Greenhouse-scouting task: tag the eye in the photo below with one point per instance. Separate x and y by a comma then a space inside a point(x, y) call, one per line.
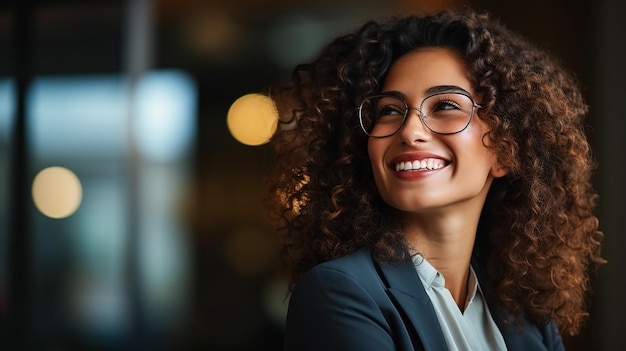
point(389, 110)
point(444, 105)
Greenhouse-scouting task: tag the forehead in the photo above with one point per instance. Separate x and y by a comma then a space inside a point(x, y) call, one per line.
point(424, 68)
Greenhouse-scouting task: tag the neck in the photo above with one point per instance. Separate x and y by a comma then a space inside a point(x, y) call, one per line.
point(447, 243)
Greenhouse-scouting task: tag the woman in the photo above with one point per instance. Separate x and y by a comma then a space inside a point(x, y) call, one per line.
point(433, 182)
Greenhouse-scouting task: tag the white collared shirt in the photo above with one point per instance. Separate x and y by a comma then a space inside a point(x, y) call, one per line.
point(473, 329)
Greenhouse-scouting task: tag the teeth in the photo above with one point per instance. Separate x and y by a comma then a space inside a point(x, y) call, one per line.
point(420, 165)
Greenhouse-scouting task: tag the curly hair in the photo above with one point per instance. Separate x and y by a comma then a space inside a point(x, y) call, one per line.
point(537, 232)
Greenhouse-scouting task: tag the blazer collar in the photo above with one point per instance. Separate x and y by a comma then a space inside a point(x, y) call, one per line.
point(518, 333)
point(409, 296)
point(406, 289)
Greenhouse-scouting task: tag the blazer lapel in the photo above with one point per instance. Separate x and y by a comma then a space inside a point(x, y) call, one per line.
point(516, 337)
point(405, 287)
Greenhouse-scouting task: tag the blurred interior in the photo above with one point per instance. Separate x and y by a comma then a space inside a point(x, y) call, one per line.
point(170, 247)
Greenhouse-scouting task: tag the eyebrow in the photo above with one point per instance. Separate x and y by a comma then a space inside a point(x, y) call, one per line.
point(445, 89)
point(437, 89)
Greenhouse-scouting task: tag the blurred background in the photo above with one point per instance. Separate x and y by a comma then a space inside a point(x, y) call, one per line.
point(161, 241)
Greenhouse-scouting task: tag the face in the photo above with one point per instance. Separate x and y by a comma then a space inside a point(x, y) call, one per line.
point(459, 168)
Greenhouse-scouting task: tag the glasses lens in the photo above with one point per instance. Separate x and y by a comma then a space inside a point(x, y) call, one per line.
point(381, 115)
point(447, 113)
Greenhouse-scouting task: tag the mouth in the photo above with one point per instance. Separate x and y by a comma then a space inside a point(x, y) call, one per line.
point(426, 164)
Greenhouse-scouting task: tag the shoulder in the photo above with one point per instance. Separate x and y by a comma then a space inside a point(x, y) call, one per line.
point(530, 336)
point(518, 331)
point(358, 268)
point(356, 276)
point(354, 263)
point(339, 305)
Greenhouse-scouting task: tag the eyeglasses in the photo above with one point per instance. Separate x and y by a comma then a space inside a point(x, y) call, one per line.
point(383, 115)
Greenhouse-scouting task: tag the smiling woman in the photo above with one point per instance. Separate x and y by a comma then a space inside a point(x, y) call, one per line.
point(448, 202)
point(457, 189)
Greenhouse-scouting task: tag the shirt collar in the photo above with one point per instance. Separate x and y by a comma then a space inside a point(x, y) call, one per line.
point(428, 274)
point(431, 278)
point(473, 288)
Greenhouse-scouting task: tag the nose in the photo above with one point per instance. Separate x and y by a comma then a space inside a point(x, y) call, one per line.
point(414, 129)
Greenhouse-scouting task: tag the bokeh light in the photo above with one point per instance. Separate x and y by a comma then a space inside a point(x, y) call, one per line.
point(252, 119)
point(57, 192)
point(165, 115)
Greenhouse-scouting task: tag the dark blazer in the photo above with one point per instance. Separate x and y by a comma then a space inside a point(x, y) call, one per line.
point(355, 303)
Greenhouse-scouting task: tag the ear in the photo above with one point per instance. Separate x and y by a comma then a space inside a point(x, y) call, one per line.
point(498, 171)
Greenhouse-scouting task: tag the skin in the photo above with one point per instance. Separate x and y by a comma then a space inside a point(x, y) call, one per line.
point(440, 207)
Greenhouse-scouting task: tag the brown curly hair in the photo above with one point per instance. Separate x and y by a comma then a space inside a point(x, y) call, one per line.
point(537, 234)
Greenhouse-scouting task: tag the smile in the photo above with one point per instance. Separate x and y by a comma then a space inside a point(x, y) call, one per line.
point(427, 164)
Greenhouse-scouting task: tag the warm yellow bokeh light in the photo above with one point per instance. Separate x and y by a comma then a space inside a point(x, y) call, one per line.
point(57, 192)
point(252, 119)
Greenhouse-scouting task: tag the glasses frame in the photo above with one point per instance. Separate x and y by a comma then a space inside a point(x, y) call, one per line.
point(408, 108)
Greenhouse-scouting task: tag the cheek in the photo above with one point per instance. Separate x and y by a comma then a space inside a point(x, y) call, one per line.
point(376, 152)
point(373, 151)
point(474, 135)
point(471, 147)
